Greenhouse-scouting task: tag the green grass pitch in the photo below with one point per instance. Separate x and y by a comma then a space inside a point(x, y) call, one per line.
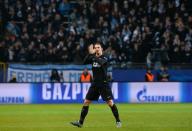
point(135, 117)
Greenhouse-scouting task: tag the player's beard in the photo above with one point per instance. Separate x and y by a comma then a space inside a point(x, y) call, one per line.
point(98, 54)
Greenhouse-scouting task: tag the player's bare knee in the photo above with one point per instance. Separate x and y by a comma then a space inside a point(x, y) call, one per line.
point(110, 103)
point(87, 102)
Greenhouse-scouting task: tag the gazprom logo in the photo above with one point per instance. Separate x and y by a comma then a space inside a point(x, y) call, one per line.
point(143, 96)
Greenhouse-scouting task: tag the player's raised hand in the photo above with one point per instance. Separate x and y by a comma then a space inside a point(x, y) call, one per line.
point(91, 49)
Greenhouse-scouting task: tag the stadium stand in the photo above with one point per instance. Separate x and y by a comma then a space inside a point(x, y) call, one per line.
point(132, 30)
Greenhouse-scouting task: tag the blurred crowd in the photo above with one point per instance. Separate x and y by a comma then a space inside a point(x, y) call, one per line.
point(130, 30)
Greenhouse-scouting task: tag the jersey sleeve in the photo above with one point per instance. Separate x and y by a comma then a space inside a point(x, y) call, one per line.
point(101, 60)
point(91, 57)
point(88, 59)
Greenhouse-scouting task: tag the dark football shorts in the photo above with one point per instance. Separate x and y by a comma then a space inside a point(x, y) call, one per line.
point(97, 90)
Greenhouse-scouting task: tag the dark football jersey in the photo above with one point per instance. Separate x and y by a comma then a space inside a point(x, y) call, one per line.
point(99, 67)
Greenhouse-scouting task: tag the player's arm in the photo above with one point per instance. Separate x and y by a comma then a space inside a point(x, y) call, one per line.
point(101, 60)
point(89, 58)
point(92, 57)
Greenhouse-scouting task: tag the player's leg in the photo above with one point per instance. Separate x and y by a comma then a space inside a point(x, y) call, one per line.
point(107, 96)
point(92, 94)
point(114, 111)
point(84, 112)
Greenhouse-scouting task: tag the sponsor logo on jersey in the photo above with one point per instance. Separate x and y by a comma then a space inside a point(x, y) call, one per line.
point(95, 64)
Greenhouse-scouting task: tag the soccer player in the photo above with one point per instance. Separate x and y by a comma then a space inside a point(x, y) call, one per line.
point(99, 85)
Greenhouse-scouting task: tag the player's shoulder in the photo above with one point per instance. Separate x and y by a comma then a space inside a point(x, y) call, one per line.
point(104, 57)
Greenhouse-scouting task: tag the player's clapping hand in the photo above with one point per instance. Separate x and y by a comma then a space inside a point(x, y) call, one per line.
point(91, 49)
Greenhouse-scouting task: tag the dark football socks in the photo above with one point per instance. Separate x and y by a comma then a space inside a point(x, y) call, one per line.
point(84, 112)
point(115, 112)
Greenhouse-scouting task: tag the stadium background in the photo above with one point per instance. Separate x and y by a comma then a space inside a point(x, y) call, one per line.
point(37, 36)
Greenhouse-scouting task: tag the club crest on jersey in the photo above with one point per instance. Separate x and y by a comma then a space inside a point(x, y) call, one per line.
point(95, 64)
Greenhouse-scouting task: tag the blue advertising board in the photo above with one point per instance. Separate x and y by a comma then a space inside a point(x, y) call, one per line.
point(123, 92)
point(66, 92)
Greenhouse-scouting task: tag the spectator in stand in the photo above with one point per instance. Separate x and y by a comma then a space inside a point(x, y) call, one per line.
point(64, 7)
point(130, 28)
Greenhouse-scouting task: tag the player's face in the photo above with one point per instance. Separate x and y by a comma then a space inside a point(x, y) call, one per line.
point(98, 49)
